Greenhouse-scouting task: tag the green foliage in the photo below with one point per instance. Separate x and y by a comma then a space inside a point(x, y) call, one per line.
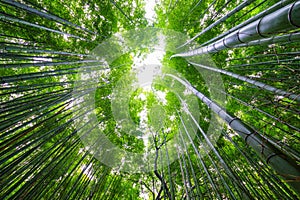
point(42, 156)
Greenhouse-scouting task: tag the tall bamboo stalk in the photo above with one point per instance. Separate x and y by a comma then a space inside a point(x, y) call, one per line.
point(287, 18)
point(219, 21)
point(286, 167)
point(269, 10)
point(17, 20)
point(44, 14)
point(251, 81)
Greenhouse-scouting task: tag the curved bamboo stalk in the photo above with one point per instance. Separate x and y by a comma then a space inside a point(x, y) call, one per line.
point(36, 75)
point(262, 111)
point(67, 97)
point(292, 37)
point(35, 50)
point(206, 171)
point(204, 12)
point(219, 21)
point(271, 9)
point(264, 172)
point(287, 18)
point(10, 144)
point(13, 121)
point(185, 164)
point(12, 19)
point(253, 82)
point(44, 14)
point(62, 141)
point(237, 182)
point(15, 57)
point(36, 192)
point(288, 151)
point(21, 65)
point(194, 7)
point(182, 172)
point(286, 54)
point(199, 157)
point(9, 111)
point(190, 164)
point(286, 167)
point(212, 161)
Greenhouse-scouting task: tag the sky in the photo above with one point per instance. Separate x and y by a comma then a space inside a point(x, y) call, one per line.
point(150, 13)
point(150, 66)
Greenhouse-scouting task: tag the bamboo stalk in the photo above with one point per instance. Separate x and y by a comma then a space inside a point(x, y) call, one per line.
point(219, 21)
point(20, 21)
point(271, 9)
point(45, 15)
point(285, 166)
point(251, 81)
point(287, 18)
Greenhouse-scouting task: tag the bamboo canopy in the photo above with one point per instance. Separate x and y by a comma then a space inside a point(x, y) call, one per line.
point(125, 99)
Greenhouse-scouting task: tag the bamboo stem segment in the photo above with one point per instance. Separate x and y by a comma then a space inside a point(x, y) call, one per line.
point(287, 18)
point(286, 167)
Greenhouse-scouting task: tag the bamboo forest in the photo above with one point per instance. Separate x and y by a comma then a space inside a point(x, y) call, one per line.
point(150, 99)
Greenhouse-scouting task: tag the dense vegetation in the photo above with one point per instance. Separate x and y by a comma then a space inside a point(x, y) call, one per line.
point(219, 120)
